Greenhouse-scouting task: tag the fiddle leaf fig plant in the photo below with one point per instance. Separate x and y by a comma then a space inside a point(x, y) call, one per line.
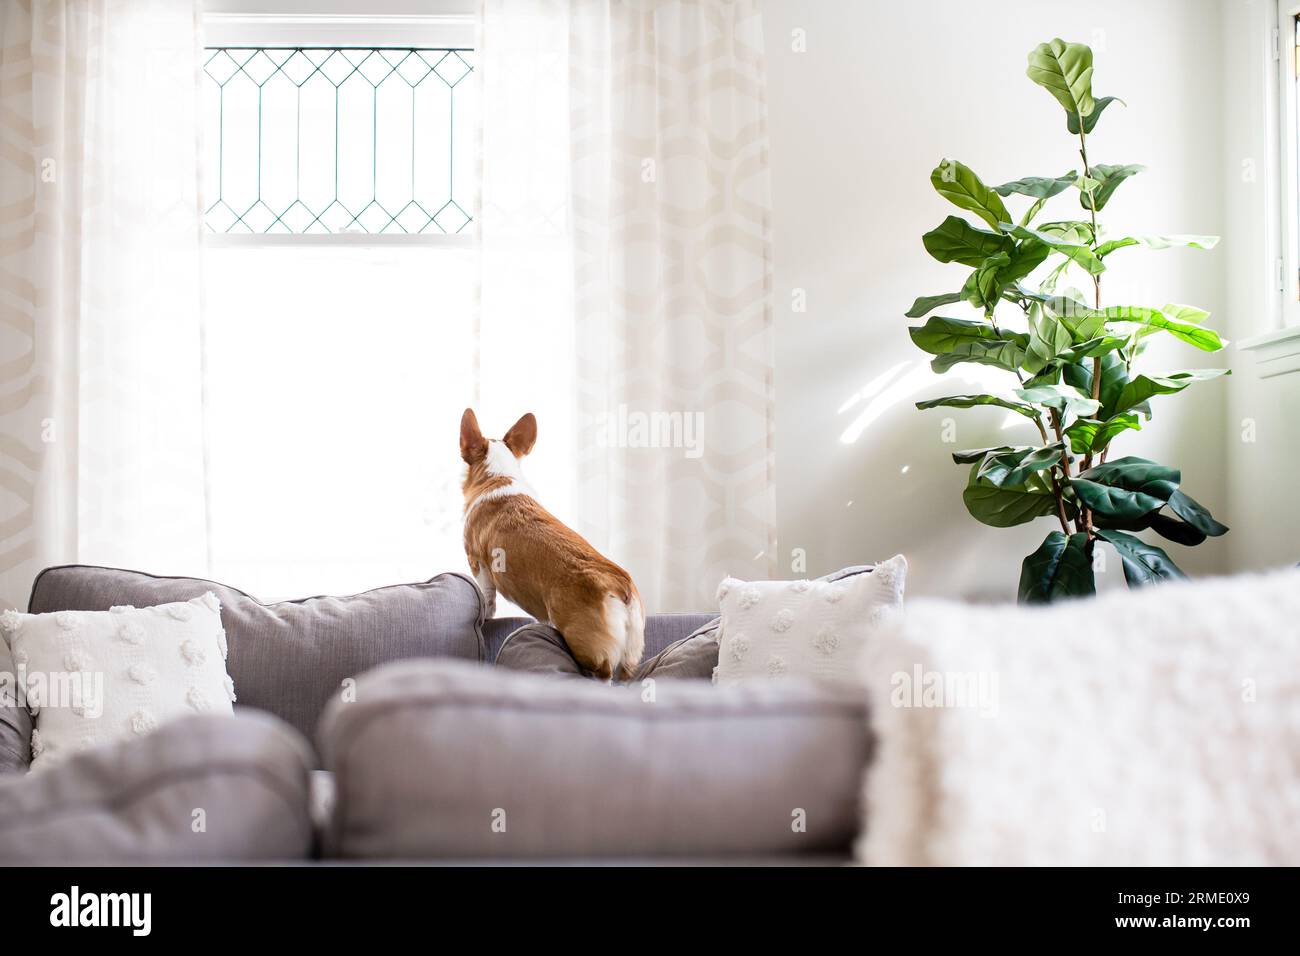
point(1071, 360)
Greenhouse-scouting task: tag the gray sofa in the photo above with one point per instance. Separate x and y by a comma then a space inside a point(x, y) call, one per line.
point(424, 752)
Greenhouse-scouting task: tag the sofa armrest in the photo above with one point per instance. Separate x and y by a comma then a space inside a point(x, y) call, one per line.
point(203, 788)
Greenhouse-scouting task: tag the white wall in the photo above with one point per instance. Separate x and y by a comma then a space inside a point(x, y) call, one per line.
point(884, 91)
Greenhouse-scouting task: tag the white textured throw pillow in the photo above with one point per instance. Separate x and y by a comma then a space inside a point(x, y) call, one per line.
point(1158, 727)
point(773, 629)
point(92, 677)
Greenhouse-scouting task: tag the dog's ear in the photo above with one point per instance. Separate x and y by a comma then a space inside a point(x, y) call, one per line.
point(522, 435)
point(473, 446)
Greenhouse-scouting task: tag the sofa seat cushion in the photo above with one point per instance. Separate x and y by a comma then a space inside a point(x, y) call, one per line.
point(290, 657)
point(199, 789)
point(439, 759)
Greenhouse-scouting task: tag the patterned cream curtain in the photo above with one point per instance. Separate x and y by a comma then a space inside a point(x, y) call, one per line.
point(101, 429)
point(644, 125)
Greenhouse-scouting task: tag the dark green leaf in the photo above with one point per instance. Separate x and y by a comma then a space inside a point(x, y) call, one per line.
point(979, 454)
point(1195, 514)
point(1114, 376)
point(956, 183)
point(956, 240)
point(1060, 568)
point(1013, 468)
point(1110, 177)
point(1006, 507)
point(1143, 563)
point(1136, 474)
point(1180, 532)
point(1115, 503)
point(1090, 121)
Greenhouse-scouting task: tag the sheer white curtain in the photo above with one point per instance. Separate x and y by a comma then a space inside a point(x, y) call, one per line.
point(625, 231)
point(101, 425)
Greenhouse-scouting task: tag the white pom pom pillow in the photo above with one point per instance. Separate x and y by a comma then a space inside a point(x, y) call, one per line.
point(92, 677)
point(817, 629)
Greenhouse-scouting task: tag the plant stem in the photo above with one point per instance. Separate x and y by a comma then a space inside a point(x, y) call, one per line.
point(1085, 514)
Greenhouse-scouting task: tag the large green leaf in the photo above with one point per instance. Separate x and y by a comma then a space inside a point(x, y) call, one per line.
point(1005, 507)
point(1060, 568)
point(1089, 436)
point(1092, 348)
point(1048, 338)
point(928, 303)
point(1012, 468)
point(970, 455)
point(1038, 187)
point(956, 240)
point(1143, 563)
point(1126, 489)
point(1090, 121)
point(970, 401)
point(956, 183)
point(1117, 503)
point(1065, 71)
point(1109, 178)
point(1027, 257)
point(1137, 474)
point(1005, 353)
point(1180, 321)
point(1064, 398)
point(1195, 514)
point(1180, 532)
point(983, 288)
point(941, 334)
point(1145, 386)
point(1076, 252)
point(1158, 242)
point(1114, 376)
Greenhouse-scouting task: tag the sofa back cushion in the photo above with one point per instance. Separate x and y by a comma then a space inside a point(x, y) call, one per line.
point(291, 657)
point(661, 630)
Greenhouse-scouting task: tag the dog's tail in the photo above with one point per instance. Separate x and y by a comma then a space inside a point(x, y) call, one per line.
point(625, 620)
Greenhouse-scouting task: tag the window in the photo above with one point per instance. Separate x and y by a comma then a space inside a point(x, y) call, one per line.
point(329, 140)
point(340, 284)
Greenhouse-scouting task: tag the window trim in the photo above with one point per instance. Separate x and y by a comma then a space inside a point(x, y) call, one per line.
point(1277, 350)
point(271, 23)
point(1289, 162)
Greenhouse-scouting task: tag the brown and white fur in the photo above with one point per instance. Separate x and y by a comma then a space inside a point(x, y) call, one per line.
point(518, 548)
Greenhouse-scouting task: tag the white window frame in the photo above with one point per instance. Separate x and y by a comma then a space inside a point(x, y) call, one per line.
point(330, 23)
point(1277, 351)
point(1284, 40)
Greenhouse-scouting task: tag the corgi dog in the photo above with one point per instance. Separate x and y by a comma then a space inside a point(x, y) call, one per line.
point(518, 548)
